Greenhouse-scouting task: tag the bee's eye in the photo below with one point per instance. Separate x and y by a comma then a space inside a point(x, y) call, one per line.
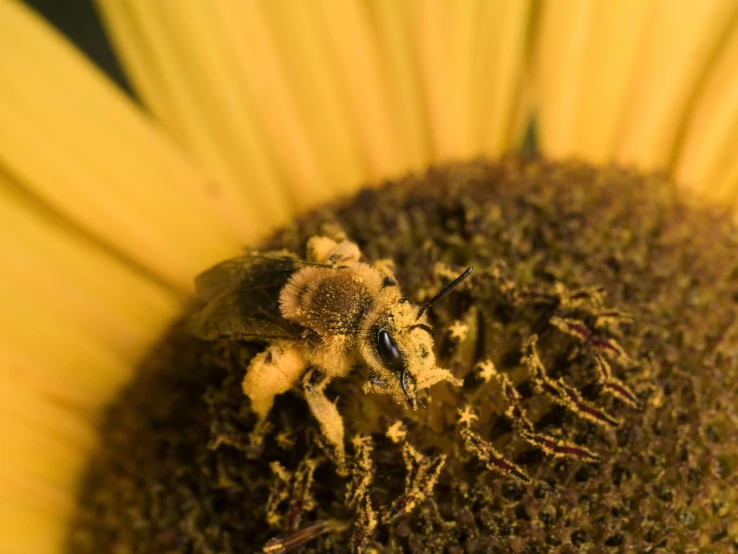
point(389, 351)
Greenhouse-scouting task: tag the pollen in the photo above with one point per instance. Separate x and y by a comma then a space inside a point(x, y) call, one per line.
point(458, 331)
point(467, 416)
point(486, 370)
point(397, 432)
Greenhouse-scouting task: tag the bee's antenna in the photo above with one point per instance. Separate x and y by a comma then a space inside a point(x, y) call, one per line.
point(444, 291)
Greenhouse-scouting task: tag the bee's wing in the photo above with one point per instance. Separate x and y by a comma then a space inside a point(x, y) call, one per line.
point(241, 298)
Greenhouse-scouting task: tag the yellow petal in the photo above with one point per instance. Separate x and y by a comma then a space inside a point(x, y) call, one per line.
point(72, 280)
point(75, 319)
point(39, 456)
point(470, 57)
point(353, 42)
point(19, 489)
point(346, 92)
point(707, 161)
point(51, 429)
point(587, 54)
point(260, 73)
point(45, 417)
point(444, 41)
point(220, 123)
point(681, 40)
point(499, 69)
point(396, 42)
point(87, 372)
point(312, 74)
point(28, 531)
point(254, 92)
point(23, 370)
point(72, 139)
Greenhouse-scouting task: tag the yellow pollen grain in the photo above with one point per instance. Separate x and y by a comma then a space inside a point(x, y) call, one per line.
point(486, 370)
point(458, 331)
point(396, 432)
point(466, 416)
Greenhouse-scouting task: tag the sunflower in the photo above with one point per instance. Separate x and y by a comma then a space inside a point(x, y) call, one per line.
point(250, 114)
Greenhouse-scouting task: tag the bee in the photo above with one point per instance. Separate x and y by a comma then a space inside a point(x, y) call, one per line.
point(322, 317)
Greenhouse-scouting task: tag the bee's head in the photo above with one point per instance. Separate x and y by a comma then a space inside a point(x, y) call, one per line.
point(399, 350)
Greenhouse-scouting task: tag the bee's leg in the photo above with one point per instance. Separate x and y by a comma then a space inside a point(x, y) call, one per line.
point(270, 373)
point(325, 411)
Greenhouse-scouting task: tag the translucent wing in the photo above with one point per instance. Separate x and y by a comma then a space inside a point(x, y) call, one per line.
point(241, 298)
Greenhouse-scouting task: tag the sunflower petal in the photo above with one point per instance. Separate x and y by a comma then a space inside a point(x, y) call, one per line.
point(74, 281)
point(312, 75)
point(39, 456)
point(500, 55)
point(353, 44)
point(75, 319)
point(218, 121)
point(683, 37)
point(470, 56)
point(44, 449)
point(37, 435)
point(30, 531)
point(60, 362)
point(259, 73)
point(219, 67)
point(587, 54)
point(74, 141)
point(444, 42)
point(396, 43)
point(707, 160)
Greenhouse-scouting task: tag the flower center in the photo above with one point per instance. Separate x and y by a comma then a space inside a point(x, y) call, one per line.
point(596, 344)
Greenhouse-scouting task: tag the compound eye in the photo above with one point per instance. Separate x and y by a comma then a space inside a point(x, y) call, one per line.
point(389, 351)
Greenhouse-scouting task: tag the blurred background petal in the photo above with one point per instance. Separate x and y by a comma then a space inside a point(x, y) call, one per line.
point(78, 144)
point(335, 94)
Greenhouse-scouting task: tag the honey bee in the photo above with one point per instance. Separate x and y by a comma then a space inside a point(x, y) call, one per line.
point(321, 317)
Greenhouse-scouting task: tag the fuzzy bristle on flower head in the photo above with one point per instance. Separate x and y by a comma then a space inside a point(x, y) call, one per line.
point(597, 406)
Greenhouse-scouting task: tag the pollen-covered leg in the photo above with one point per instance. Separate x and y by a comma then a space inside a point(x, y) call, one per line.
point(325, 411)
point(270, 373)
